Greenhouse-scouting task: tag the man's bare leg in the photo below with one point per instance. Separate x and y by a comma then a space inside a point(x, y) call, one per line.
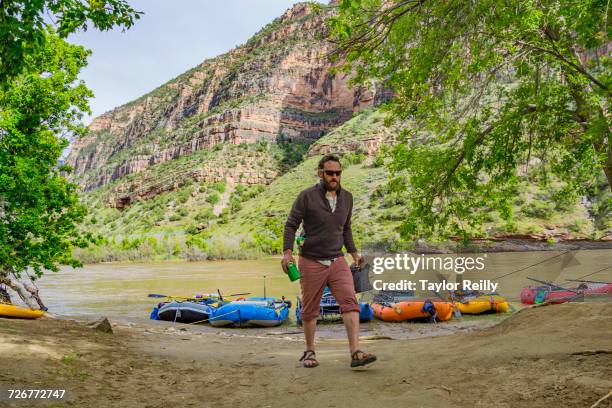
point(351, 323)
point(310, 327)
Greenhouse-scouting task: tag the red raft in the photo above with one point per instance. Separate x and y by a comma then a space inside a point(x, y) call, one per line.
point(546, 293)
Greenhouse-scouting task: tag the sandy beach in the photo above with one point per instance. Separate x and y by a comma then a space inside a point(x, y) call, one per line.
point(539, 357)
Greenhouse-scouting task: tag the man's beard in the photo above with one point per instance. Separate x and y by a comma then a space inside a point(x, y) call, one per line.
point(328, 187)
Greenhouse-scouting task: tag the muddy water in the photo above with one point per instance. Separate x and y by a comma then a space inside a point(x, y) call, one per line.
point(121, 289)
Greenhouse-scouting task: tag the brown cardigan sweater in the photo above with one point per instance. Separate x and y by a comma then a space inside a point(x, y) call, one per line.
point(325, 232)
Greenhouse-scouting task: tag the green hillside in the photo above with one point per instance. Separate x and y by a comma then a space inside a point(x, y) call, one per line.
point(182, 224)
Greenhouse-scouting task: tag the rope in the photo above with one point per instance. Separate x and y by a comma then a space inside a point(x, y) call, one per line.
point(593, 273)
point(530, 266)
point(221, 315)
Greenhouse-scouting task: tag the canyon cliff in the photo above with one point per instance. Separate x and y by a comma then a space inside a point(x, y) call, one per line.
point(275, 88)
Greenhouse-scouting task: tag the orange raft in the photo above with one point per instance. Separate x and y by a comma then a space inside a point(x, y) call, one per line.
point(483, 304)
point(402, 311)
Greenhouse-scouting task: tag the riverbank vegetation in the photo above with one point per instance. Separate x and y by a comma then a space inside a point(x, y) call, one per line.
point(180, 224)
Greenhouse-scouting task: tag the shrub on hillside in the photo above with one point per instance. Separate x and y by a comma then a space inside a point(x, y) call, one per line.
point(539, 209)
point(213, 198)
point(182, 197)
point(204, 215)
point(191, 229)
point(234, 204)
point(379, 160)
point(223, 217)
point(220, 187)
point(353, 158)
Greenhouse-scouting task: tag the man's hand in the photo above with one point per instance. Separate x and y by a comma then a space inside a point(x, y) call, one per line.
point(287, 259)
point(356, 259)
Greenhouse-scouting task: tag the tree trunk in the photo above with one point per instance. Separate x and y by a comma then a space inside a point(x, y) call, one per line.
point(608, 164)
point(584, 113)
point(26, 291)
point(4, 296)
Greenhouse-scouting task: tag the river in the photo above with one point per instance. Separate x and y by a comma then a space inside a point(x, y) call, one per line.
point(121, 289)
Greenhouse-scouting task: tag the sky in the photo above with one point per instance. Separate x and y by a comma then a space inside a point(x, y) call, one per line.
point(170, 38)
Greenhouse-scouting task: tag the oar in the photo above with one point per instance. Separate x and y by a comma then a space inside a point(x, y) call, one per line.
point(221, 297)
point(587, 281)
point(552, 285)
point(157, 295)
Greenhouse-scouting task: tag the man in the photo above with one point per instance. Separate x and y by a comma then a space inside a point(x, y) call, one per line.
point(325, 211)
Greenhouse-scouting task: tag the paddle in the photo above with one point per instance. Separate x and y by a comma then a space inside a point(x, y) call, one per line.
point(587, 281)
point(157, 295)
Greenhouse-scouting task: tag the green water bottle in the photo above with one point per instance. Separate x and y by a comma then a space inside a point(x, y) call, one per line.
point(300, 241)
point(294, 272)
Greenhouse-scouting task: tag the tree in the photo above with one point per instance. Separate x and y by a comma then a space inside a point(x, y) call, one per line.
point(493, 91)
point(23, 25)
point(41, 104)
point(39, 209)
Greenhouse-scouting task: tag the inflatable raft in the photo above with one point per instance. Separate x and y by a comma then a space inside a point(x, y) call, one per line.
point(183, 312)
point(330, 309)
point(483, 304)
point(264, 312)
point(7, 310)
point(413, 310)
point(545, 293)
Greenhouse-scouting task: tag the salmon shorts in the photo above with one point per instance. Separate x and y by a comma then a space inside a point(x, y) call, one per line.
point(315, 276)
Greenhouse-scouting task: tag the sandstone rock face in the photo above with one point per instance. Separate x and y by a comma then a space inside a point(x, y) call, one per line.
point(277, 87)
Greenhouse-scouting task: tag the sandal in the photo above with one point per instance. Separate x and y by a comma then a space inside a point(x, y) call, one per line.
point(366, 358)
point(309, 355)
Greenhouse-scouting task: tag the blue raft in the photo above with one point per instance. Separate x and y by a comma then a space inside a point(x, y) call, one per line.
point(183, 312)
point(330, 309)
point(258, 311)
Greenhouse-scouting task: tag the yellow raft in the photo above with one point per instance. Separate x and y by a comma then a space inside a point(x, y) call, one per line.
point(7, 310)
point(483, 304)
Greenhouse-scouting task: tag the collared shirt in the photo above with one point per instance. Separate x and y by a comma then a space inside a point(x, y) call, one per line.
point(332, 199)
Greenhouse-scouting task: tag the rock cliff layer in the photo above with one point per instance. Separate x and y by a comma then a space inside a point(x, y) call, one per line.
point(276, 87)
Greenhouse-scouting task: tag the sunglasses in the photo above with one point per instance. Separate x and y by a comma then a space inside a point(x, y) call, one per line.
point(333, 173)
